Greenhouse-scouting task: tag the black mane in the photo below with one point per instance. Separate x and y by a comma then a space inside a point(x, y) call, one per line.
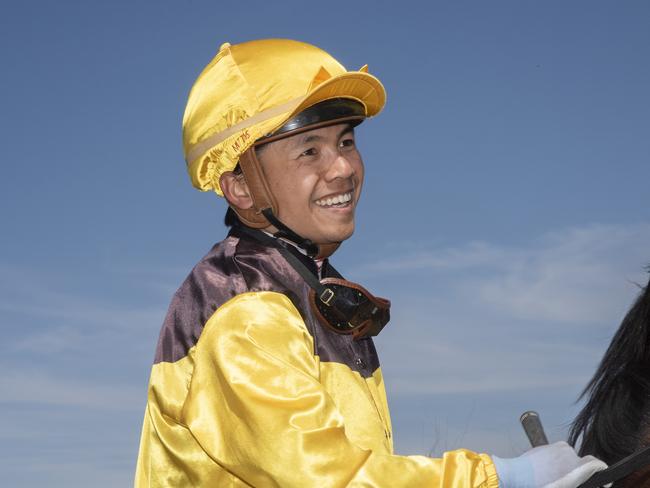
point(615, 420)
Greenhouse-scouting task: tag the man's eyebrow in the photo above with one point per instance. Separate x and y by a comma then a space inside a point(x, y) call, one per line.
point(307, 138)
point(349, 129)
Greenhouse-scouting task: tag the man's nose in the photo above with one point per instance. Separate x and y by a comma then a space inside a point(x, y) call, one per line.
point(340, 167)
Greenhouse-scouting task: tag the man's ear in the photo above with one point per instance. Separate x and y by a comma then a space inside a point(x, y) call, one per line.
point(235, 189)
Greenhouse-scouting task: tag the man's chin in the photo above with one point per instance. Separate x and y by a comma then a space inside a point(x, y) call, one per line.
point(336, 237)
point(330, 233)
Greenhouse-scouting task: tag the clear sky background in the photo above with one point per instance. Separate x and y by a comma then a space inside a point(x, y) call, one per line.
point(505, 211)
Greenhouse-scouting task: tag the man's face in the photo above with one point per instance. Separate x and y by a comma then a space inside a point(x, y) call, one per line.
point(316, 179)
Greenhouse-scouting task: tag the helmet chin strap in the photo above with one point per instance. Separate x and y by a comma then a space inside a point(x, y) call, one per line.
point(285, 232)
point(265, 208)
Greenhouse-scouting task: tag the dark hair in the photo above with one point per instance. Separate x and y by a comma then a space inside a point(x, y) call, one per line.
point(231, 219)
point(614, 421)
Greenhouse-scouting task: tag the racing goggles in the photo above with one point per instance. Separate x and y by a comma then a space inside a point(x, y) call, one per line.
point(340, 305)
point(348, 308)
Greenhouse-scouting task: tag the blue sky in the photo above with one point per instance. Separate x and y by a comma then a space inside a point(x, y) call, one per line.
point(504, 211)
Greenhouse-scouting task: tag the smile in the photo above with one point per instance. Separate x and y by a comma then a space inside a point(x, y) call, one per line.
point(336, 201)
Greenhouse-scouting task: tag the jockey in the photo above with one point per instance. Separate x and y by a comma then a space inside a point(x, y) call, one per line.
point(265, 372)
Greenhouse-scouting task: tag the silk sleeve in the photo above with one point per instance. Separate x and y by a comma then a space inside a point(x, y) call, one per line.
point(256, 407)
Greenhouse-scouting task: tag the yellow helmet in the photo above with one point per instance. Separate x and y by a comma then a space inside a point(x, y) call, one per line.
point(251, 89)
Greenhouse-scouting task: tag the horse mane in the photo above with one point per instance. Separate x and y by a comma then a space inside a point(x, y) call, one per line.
point(615, 420)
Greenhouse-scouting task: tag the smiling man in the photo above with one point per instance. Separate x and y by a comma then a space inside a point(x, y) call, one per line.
point(265, 373)
point(315, 177)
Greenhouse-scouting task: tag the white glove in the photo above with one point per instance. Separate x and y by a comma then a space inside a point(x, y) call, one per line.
point(552, 466)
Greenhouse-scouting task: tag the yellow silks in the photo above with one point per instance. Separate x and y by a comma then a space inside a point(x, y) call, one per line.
point(253, 406)
point(248, 90)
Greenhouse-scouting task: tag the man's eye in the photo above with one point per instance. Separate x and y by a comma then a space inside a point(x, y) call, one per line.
point(347, 143)
point(309, 152)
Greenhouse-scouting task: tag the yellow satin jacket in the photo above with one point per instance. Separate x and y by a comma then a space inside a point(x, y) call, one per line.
point(247, 389)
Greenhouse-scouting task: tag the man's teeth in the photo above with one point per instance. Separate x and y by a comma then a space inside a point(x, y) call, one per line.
point(336, 200)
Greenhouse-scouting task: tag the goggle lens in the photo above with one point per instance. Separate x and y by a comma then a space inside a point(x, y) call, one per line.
point(348, 308)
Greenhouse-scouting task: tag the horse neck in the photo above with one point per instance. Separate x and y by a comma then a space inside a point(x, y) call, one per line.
point(638, 479)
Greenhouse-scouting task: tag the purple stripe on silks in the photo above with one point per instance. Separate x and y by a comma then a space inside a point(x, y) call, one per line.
point(239, 265)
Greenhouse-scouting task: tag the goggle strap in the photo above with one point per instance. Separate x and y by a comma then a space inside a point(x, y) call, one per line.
point(295, 263)
point(322, 292)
